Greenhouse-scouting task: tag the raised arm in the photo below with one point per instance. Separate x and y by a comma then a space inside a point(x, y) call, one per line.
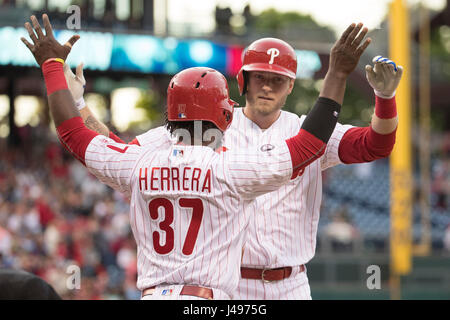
point(365, 144)
point(76, 83)
point(384, 77)
point(318, 126)
point(111, 162)
point(269, 166)
point(50, 55)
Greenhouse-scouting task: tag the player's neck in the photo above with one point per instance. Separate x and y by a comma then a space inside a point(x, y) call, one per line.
point(214, 143)
point(262, 120)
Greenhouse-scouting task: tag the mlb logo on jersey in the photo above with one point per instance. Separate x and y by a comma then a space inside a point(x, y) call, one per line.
point(166, 292)
point(178, 153)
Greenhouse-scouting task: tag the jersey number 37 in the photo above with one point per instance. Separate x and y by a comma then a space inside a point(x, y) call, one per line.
point(165, 225)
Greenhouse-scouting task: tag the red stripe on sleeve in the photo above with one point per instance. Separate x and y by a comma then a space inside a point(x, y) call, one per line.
point(364, 145)
point(304, 149)
point(135, 141)
point(75, 137)
point(115, 138)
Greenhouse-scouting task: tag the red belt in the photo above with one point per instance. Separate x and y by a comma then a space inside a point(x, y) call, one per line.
point(268, 275)
point(201, 292)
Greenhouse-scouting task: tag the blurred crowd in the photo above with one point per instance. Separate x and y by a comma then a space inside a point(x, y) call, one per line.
point(54, 215)
point(441, 173)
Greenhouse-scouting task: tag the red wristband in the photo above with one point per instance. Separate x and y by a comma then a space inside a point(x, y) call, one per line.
point(385, 108)
point(54, 76)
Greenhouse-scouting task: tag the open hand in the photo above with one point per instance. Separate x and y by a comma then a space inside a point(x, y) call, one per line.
point(345, 53)
point(45, 46)
point(76, 83)
point(384, 76)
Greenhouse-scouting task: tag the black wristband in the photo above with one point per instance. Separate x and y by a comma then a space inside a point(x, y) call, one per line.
point(322, 118)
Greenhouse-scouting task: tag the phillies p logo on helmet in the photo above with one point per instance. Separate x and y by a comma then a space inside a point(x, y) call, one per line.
point(273, 52)
point(255, 58)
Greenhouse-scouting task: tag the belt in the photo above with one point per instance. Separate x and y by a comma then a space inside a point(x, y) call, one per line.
point(268, 275)
point(201, 292)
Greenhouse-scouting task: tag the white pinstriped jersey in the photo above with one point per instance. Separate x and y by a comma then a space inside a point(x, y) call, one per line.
point(283, 232)
point(287, 238)
point(188, 204)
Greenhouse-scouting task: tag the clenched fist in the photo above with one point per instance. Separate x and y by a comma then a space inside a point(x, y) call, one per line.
point(384, 76)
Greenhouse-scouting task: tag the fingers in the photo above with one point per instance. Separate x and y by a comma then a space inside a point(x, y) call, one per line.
point(353, 34)
point(29, 45)
point(385, 64)
point(79, 71)
point(360, 37)
point(377, 68)
point(67, 69)
point(392, 65)
point(47, 25)
point(363, 47)
point(69, 44)
point(37, 27)
point(347, 33)
point(399, 72)
point(370, 73)
point(31, 32)
point(389, 67)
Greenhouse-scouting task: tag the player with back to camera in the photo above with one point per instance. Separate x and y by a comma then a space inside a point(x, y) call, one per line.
point(278, 246)
point(190, 205)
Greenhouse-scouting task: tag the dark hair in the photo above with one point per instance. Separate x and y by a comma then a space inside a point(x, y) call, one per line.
point(172, 126)
point(187, 125)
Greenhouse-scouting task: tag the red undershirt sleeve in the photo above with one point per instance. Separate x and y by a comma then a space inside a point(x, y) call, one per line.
point(364, 145)
point(75, 137)
point(304, 149)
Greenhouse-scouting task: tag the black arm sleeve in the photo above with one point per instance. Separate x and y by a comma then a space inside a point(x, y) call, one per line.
point(322, 118)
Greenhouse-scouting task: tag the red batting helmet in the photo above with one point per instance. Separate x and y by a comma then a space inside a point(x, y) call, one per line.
point(267, 54)
point(200, 94)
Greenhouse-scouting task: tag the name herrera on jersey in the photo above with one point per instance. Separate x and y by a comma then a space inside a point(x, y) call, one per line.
point(174, 179)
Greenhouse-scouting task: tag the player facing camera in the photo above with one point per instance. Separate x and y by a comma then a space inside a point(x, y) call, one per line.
point(199, 108)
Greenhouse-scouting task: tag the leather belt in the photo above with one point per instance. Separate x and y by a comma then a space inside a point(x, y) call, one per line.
point(268, 275)
point(201, 292)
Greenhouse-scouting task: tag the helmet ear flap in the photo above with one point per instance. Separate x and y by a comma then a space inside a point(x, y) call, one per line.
point(242, 82)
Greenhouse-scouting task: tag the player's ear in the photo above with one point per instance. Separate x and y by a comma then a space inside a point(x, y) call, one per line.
point(291, 85)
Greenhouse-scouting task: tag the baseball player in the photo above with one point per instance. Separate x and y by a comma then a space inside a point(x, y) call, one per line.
point(279, 246)
point(189, 204)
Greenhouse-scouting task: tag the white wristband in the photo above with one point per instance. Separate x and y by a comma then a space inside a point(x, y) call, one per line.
point(379, 94)
point(80, 104)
